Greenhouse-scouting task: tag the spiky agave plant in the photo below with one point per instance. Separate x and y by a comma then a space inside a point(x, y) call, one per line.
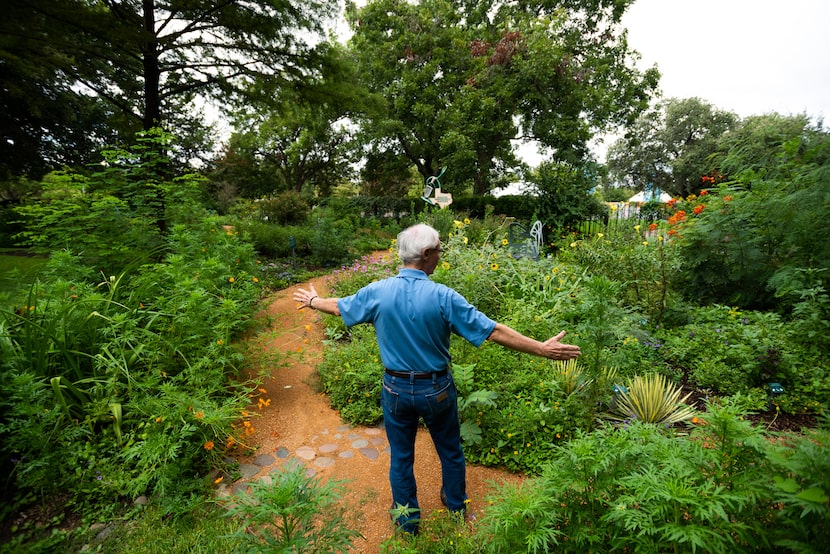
point(652, 399)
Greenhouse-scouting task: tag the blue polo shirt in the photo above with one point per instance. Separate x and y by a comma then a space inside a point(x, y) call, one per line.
point(413, 318)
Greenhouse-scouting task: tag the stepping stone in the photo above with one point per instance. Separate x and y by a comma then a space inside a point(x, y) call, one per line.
point(370, 453)
point(310, 472)
point(266, 480)
point(346, 454)
point(353, 436)
point(344, 427)
point(306, 453)
point(240, 488)
point(282, 452)
point(248, 470)
point(377, 441)
point(360, 443)
point(328, 448)
point(324, 461)
point(373, 431)
point(289, 464)
point(264, 460)
point(338, 436)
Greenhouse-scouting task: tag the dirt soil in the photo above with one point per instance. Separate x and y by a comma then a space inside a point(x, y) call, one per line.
point(299, 425)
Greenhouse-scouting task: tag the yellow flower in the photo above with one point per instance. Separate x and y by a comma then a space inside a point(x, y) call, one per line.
point(573, 245)
point(445, 265)
point(308, 327)
point(494, 267)
point(466, 240)
point(466, 221)
point(220, 342)
point(218, 479)
point(645, 243)
point(637, 228)
point(504, 242)
point(231, 279)
point(600, 235)
point(256, 280)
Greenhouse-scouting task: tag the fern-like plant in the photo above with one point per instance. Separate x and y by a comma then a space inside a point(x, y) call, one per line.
point(652, 399)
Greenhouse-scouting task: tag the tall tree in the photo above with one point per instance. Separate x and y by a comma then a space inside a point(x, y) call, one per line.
point(464, 78)
point(147, 60)
point(670, 147)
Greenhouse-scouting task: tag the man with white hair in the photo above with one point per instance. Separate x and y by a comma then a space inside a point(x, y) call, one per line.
point(413, 319)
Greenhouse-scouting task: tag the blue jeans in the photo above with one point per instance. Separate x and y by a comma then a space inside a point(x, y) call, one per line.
point(404, 401)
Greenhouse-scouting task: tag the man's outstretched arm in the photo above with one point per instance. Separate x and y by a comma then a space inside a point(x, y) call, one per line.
point(551, 348)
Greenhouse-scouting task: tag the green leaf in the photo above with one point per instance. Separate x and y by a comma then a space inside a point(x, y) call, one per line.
point(786, 485)
point(813, 494)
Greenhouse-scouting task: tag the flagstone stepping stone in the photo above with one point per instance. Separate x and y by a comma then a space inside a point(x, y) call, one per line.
point(264, 460)
point(377, 441)
point(360, 443)
point(306, 453)
point(282, 452)
point(346, 454)
point(370, 453)
point(328, 448)
point(240, 488)
point(324, 461)
point(248, 470)
point(344, 427)
point(266, 480)
point(310, 472)
point(373, 431)
point(289, 464)
point(354, 436)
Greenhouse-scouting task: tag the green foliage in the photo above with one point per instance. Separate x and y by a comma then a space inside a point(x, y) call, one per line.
point(669, 146)
point(117, 213)
point(126, 387)
point(564, 197)
point(801, 483)
point(744, 349)
point(470, 402)
point(293, 513)
point(351, 375)
point(634, 488)
point(286, 208)
point(640, 259)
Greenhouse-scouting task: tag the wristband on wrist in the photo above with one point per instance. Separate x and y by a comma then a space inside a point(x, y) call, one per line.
point(310, 300)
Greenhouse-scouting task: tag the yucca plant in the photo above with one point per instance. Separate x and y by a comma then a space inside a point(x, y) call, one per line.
point(570, 375)
point(652, 399)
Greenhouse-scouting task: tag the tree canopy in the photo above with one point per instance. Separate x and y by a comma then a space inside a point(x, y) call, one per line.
point(145, 61)
point(464, 78)
point(669, 147)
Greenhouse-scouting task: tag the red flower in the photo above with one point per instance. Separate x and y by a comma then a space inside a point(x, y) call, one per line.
point(704, 192)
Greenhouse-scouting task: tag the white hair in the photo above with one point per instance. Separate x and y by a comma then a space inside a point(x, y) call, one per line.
point(413, 240)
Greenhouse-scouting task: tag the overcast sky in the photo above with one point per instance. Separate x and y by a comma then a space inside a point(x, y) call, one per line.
point(746, 56)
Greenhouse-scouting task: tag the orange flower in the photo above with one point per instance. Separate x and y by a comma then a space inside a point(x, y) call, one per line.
point(672, 232)
point(231, 279)
point(652, 227)
point(209, 445)
point(698, 209)
point(727, 198)
point(199, 415)
point(705, 192)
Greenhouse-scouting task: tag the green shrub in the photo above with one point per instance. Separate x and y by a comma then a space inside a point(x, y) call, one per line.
point(287, 208)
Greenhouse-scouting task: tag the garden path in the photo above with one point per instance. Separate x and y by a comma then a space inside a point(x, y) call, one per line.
point(299, 426)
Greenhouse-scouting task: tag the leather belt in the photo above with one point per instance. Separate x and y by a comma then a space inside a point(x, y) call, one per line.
point(416, 375)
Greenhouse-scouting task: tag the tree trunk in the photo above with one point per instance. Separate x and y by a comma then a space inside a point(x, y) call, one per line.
point(152, 74)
